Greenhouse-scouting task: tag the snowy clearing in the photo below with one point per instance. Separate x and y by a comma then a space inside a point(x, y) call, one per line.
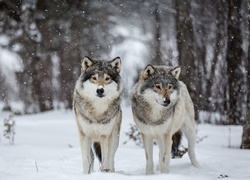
point(47, 147)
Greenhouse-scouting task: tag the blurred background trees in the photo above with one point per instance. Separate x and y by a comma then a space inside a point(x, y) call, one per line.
point(42, 43)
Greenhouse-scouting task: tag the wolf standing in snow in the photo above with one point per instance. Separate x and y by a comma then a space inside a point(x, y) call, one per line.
point(161, 107)
point(98, 114)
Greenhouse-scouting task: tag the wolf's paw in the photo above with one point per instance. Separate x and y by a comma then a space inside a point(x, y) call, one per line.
point(197, 165)
point(107, 170)
point(149, 172)
point(158, 167)
point(164, 170)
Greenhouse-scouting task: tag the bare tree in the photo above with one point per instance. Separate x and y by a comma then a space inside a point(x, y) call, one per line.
point(234, 62)
point(185, 44)
point(245, 143)
point(70, 29)
point(157, 57)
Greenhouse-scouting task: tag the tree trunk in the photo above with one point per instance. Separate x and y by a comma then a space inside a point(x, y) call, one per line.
point(185, 40)
point(157, 58)
point(245, 143)
point(234, 60)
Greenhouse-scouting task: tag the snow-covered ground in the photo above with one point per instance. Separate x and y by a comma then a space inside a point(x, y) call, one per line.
point(47, 147)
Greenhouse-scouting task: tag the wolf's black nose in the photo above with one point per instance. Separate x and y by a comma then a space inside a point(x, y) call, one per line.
point(100, 92)
point(166, 102)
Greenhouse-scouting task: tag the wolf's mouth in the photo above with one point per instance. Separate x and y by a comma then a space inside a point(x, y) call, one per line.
point(100, 95)
point(159, 103)
point(165, 103)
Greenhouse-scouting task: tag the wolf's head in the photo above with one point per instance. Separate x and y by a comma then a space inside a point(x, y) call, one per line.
point(100, 78)
point(160, 84)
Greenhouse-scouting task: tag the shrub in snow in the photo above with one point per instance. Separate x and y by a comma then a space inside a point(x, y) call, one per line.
point(135, 136)
point(6, 107)
point(9, 132)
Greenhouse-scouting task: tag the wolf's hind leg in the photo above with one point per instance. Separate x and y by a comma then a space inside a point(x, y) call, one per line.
point(176, 139)
point(148, 146)
point(92, 160)
point(190, 133)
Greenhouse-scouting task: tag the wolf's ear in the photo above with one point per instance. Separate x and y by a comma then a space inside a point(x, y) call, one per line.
point(86, 63)
point(148, 71)
point(116, 64)
point(175, 71)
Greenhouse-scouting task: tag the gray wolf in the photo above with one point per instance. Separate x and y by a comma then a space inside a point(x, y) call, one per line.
point(96, 102)
point(162, 106)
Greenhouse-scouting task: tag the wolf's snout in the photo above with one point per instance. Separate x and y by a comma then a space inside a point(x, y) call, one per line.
point(166, 102)
point(100, 92)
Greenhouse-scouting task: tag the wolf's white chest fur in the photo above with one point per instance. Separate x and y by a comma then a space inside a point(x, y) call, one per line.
point(95, 130)
point(156, 113)
point(98, 106)
point(154, 131)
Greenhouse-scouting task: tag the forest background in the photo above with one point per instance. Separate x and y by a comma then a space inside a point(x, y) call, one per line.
point(42, 43)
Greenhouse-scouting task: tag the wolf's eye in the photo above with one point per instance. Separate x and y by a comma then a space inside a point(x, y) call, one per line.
point(170, 86)
point(158, 86)
point(107, 78)
point(94, 78)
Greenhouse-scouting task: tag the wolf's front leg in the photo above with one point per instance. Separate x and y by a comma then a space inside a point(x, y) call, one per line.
point(87, 154)
point(148, 146)
point(114, 143)
point(160, 143)
point(165, 153)
point(105, 146)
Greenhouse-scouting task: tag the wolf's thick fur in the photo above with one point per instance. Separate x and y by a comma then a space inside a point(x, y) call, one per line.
point(97, 97)
point(161, 106)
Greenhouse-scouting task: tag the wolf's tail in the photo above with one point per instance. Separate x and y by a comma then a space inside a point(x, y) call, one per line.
point(98, 151)
point(176, 138)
